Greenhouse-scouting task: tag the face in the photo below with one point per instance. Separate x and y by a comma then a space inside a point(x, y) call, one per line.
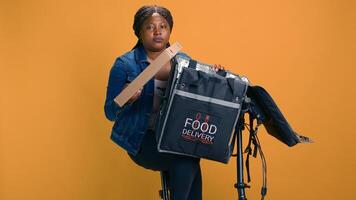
point(155, 33)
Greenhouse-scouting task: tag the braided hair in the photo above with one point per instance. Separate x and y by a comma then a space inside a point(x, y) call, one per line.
point(144, 13)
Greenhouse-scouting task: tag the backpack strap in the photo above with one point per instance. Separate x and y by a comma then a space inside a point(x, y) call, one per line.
point(253, 139)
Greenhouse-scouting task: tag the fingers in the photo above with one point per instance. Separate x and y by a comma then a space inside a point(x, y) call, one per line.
point(218, 67)
point(135, 96)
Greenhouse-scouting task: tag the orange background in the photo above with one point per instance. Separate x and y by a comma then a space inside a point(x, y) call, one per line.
point(55, 58)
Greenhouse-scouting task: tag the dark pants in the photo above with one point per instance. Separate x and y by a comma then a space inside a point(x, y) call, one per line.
point(184, 172)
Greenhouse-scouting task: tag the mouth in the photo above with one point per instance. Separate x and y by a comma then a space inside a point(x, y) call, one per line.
point(158, 39)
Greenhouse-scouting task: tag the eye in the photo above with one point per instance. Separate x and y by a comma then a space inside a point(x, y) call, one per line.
point(150, 27)
point(163, 26)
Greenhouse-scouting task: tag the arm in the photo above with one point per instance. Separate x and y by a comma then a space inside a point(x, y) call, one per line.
point(117, 80)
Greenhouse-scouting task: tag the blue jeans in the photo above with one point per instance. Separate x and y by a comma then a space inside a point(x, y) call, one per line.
point(184, 174)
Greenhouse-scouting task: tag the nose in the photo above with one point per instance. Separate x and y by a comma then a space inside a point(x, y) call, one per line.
point(157, 31)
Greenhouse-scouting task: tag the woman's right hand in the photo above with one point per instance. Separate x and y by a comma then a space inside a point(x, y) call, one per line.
point(135, 96)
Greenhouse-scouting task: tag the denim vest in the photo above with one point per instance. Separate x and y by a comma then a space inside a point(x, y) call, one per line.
point(131, 120)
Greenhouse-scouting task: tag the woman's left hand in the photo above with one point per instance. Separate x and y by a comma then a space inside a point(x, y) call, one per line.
point(218, 67)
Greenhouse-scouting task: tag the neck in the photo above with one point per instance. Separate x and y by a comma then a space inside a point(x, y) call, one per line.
point(153, 55)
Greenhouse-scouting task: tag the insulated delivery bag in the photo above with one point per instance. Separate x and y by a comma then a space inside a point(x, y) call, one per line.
point(199, 111)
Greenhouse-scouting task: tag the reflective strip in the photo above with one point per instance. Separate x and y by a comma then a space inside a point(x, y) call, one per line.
point(207, 99)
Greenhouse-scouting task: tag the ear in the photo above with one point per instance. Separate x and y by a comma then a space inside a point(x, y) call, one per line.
point(140, 35)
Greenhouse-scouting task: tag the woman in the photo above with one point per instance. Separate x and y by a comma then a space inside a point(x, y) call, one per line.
point(134, 123)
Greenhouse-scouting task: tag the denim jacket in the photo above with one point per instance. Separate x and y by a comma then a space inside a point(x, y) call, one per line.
point(131, 120)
